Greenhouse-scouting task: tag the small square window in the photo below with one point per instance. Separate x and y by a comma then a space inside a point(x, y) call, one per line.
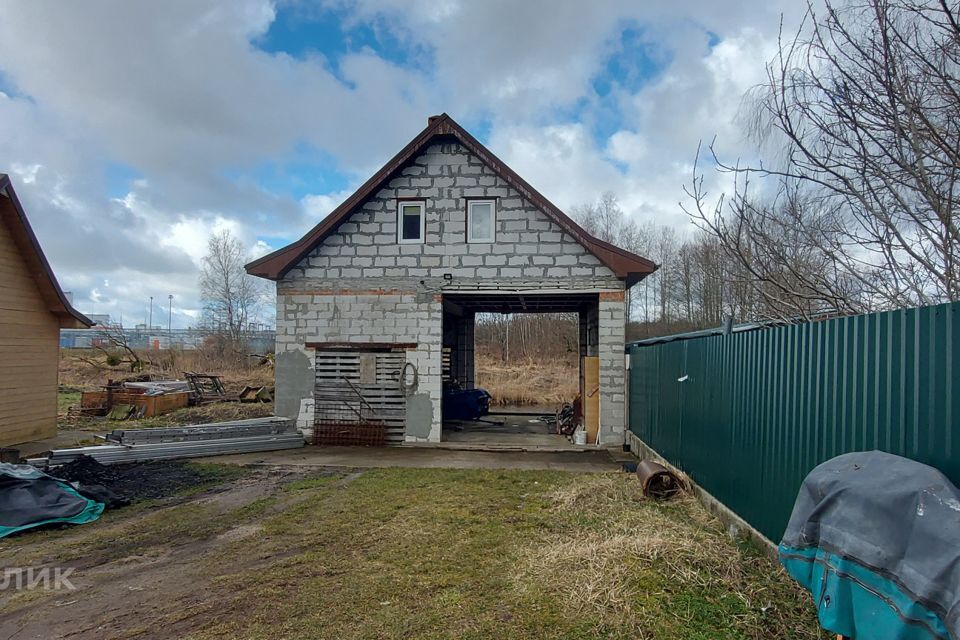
point(410, 222)
point(481, 220)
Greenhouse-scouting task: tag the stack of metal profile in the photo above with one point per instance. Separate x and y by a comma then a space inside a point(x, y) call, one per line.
point(214, 439)
point(210, 431)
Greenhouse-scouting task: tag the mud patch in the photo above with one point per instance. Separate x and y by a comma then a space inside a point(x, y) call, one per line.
point(135, 480)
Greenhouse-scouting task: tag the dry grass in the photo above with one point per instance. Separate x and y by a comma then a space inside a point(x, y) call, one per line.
point(77, 373)
point(528, 382)
point(200, 414)
point(413, 553)
point(77, 370)
point(631, 559)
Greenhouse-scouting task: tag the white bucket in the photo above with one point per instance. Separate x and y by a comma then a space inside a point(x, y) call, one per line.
point(580, 437)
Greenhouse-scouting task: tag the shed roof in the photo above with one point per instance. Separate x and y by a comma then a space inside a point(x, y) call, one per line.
point(15, 219)
point(626, 265)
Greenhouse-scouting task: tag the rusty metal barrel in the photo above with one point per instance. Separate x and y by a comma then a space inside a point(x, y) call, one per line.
point(657, 481)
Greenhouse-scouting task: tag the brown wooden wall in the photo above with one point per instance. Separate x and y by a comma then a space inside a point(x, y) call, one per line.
point(29, 351)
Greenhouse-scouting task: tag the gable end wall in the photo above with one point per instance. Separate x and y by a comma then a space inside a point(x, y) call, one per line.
point(361, 285)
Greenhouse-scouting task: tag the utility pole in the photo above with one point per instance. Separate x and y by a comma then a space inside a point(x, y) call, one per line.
point(150, 323)
point(170, 318)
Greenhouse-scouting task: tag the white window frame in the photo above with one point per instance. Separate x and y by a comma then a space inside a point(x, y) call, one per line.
point(423, 221)
point(493, 221)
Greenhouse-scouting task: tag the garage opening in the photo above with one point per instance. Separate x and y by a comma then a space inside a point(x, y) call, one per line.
point(536, 354)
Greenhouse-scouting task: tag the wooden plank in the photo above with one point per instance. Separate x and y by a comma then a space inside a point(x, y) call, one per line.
point(49, 330)
point(591, 403)
point(373, 374)
point(35, 411)
point(26, 344)
point(44, 379)
point(13, 396)
point(29, 433)
point(15, 349)
point(34, 374)
point(14, 417)
point(26, 317)
point(33, 362)
point(25, 420)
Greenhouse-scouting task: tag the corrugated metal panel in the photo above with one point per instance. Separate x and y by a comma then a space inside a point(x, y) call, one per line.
point(749, 415)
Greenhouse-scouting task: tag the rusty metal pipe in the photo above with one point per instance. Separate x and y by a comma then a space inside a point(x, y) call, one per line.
point(657, 481)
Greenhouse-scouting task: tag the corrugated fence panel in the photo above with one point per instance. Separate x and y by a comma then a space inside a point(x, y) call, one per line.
point(750, 414)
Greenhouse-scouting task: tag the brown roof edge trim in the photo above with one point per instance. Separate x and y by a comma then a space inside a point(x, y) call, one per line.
point(623, 263)
point(64, 309)
point(624, 252)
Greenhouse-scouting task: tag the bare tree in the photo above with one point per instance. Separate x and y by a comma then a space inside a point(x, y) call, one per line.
point(231, 297)
point(112, 344)
point(857, 211)
point(605, 220)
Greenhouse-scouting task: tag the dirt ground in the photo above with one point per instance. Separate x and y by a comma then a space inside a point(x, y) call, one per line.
point(283, 552)
point(142, 570)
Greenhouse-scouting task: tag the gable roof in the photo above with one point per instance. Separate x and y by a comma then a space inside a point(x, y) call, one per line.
point(14, 218)
point(626, 265)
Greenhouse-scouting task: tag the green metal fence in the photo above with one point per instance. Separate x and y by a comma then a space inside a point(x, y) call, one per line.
point(748, 415)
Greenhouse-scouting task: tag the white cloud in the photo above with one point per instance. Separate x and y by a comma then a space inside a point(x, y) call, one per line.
point(179, 92)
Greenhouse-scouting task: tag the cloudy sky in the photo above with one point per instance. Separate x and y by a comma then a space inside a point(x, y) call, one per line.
point(133, 130)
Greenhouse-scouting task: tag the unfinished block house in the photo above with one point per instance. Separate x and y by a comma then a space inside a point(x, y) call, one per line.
point(376, 305)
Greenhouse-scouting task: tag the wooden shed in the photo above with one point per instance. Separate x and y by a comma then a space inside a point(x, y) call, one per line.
point(33, 308)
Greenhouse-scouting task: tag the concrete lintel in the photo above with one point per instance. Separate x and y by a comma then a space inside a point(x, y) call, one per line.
point(524, 292)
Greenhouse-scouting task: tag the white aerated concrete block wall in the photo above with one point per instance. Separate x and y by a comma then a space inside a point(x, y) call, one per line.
point(361, 285)
point(612, 368)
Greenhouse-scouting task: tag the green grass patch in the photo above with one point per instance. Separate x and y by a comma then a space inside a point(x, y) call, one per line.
point(438, 553)
point(67, 397)
point(418, 553)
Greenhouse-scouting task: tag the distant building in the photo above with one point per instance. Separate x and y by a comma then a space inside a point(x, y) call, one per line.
point(99, 319)
point(33, 309)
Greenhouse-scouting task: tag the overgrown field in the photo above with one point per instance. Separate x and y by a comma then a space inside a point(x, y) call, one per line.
point(407, 553)
point(87, 370)
point(90, 369)
point(547, 381)
point(517, 382)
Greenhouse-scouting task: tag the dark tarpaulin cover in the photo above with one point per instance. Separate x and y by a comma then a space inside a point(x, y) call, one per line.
point(876, 538)
point(30, 498)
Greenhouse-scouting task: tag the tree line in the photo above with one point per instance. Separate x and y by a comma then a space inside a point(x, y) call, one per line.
point(847, 205)
point(850, 206)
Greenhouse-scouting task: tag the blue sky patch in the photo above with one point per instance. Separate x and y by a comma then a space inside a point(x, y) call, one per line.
point(118, 177)
point(308, 171)
point(633, 61)
point(8, 87)
point(301, 31)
